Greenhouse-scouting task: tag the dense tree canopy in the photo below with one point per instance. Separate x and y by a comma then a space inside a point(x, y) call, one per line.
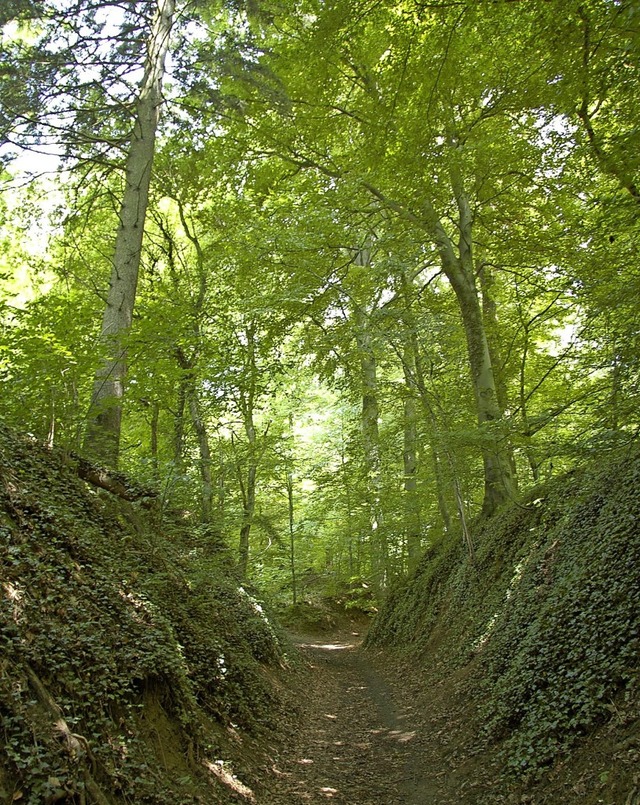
point(388, 260)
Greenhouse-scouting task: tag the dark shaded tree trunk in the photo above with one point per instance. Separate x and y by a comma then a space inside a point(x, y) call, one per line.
point(248, 511)
point(204, 454)
point(248, 488)
point(443, 506)
point(154, 425)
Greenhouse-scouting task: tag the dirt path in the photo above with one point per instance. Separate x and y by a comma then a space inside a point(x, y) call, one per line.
point(375, 731)
point(361, 740)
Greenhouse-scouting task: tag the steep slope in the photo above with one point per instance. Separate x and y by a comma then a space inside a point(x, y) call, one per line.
point(541, 634)
point(134, 667)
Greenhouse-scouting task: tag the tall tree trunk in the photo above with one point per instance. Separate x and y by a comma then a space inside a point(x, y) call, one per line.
point(527, 431)
point(292, 542)
point(248, 511)
point(188, 397)
point(499, 480)
point(410, 463)
point(248, 489)
point(371, 449)
point(354, 559)
point(412, 518)
point(102, 437)
point(154, 426)
point(178, 425)
point(490, 317)
point(204, 451)
point(290, 501)
point(221, 488)
point(443, 506)
point(492, 328)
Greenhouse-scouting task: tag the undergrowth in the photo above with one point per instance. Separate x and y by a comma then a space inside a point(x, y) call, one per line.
point(98, 606)
point(549, 613)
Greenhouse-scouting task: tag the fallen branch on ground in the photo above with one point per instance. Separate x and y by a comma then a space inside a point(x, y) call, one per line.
point(114, 482)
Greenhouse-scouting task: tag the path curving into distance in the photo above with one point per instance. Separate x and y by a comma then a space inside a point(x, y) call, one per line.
point(360, 740)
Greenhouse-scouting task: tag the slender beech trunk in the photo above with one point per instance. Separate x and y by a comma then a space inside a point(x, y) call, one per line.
point(410, 463)
point(221, 487)
point(102, 438)
point(248, 511)
point(354, 561)
point(178, 425)
point(248, 488)
point(292, 542)
point(206, 488)
point(51, 435)
point(154, 426)
point(412, 518)
point(371, 449)
point(189, 399)
point(468, 540)
point(290, 501)
point(524, 415)
point(443, 506)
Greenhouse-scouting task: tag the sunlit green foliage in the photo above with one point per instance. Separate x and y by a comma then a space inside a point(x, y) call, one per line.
point(294, 141)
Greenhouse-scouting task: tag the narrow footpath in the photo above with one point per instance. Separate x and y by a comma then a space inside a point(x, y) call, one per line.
point(362, 739)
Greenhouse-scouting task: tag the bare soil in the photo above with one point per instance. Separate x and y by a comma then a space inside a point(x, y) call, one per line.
point(371, 729)
point(364, 738)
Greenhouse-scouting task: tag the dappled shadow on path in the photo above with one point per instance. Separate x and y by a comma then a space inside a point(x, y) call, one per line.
point(356, 742)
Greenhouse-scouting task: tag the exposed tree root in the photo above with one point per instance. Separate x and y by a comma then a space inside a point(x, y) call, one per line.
point(77, 745)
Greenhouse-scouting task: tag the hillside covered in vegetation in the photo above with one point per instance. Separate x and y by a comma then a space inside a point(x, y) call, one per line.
point(539, 634)
point(135, 667)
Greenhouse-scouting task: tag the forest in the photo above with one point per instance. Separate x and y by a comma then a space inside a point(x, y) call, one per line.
point(332, 305)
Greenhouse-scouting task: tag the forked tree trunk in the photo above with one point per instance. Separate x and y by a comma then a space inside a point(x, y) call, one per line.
point(499, 479)
point(102, 437)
